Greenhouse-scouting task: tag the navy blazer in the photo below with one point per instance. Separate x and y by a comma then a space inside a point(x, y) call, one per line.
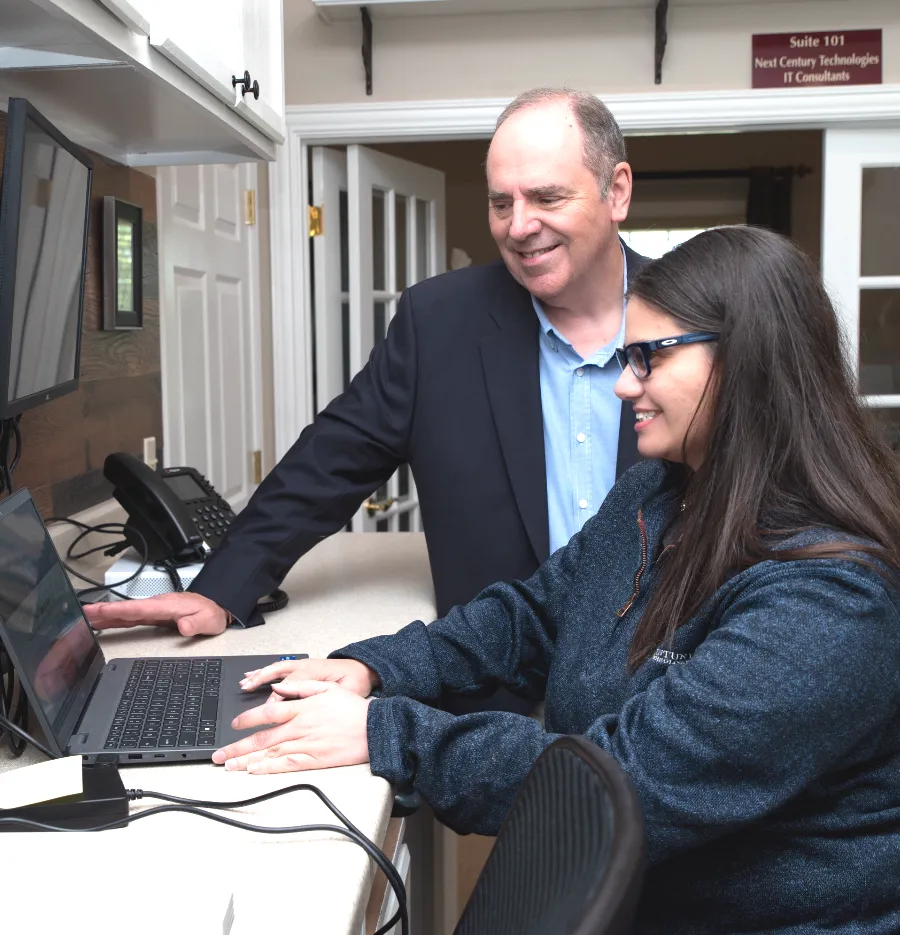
point(454, 391)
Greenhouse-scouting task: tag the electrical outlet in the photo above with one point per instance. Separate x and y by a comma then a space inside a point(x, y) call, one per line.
point(150, 452)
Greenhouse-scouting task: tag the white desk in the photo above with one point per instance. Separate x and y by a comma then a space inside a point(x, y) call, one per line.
point(178, 871)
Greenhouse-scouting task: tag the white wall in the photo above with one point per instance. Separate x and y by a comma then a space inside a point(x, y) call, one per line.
point(605, 51)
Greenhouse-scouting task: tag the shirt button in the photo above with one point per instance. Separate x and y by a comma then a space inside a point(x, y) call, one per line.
point(580, 437)
point(580, 371)
point(583, 504)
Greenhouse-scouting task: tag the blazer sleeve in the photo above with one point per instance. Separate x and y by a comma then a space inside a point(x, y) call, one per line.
point(800, 678)
point(354, 445)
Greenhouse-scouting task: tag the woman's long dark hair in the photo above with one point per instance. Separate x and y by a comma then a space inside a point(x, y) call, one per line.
point(790, 447)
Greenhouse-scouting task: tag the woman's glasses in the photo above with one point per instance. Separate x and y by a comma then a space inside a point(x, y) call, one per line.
point(637, 355)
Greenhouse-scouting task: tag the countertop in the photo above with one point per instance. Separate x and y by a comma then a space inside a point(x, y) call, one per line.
point(180, 871)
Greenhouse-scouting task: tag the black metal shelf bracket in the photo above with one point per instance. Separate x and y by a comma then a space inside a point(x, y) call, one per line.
point(367, 46)
point(662, 37)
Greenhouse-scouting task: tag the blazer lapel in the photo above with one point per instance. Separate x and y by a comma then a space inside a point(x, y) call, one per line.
point(512, 374)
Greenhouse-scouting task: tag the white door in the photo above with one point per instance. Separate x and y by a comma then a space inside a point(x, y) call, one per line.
point(861, 259)
point(209, 325)
point(382, 230)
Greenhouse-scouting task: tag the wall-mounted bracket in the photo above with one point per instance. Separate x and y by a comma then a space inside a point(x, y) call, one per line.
point(367, 46)
point(662, 36)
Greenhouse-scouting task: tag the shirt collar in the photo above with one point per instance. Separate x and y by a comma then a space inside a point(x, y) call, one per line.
point(547, 327)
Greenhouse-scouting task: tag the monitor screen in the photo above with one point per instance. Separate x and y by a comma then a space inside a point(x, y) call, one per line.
point(45, 632)
point(46, 193)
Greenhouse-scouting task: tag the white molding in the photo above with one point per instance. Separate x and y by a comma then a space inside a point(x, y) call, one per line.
point(367, 122)
point(291, 302)
point(653, 112)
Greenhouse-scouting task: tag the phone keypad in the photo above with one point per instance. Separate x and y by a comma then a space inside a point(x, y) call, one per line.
point(213, 519)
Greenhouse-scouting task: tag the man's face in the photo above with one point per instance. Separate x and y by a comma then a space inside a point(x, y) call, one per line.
point(545, 207)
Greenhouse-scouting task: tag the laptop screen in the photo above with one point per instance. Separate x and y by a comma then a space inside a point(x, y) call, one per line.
point(46, 635)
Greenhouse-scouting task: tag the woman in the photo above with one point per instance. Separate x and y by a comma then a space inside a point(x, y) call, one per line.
point(726, 627)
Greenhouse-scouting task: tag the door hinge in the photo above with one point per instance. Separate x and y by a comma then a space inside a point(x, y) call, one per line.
point(316, 220)
point(250, 206)
point(257, 467)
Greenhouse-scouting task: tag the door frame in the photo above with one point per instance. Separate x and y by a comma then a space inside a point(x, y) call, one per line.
point(650, 113)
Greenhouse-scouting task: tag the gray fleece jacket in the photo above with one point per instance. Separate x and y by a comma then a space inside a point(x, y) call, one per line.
point(764, 743)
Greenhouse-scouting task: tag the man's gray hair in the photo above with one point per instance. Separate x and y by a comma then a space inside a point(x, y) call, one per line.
point(604, 145)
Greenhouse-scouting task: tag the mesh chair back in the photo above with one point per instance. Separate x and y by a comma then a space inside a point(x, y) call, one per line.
point(569, 856)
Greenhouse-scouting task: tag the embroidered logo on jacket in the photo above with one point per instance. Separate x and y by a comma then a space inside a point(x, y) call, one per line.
point(666, 657)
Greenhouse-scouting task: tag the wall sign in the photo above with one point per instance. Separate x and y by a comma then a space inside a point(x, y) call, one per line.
point(817, 59)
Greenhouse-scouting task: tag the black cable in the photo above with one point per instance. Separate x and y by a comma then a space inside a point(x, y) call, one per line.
point(6, 433)
point(134, 794)
point(195, 806)
point(6, 724)
point(103, 528)
point(14, 424)
point(169, 567)
point(12, 705)
point(380, 858)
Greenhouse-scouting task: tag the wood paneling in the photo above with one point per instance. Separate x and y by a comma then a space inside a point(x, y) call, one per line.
point(118, 402)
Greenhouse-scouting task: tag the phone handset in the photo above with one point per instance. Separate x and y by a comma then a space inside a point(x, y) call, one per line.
point(156, 515)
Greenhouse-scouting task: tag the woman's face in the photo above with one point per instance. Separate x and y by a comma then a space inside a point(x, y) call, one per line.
point(665, 402)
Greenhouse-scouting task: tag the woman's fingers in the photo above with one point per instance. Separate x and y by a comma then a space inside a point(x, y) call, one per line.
point(277, 670)
point(301, 688)
point(284, 758)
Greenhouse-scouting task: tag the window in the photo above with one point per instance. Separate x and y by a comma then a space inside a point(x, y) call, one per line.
point(654, 243)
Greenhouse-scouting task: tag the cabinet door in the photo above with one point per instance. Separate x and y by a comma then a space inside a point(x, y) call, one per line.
point(202, 37)
point(263, 57)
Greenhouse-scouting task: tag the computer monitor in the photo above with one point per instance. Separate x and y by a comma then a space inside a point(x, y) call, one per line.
point(44, 213)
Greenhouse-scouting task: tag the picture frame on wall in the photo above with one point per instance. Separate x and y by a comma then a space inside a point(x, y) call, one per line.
point(123, 292)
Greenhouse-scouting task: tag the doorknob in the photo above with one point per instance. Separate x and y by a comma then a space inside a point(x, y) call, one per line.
point(378, 506)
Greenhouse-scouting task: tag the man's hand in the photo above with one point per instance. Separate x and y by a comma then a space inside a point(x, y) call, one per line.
point(192, 614)
point(326, 728)
point(348, 673)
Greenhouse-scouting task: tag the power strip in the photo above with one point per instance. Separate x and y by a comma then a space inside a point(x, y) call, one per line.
point(102, 800)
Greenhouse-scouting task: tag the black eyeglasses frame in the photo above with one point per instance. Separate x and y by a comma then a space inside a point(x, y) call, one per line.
point(648, 348)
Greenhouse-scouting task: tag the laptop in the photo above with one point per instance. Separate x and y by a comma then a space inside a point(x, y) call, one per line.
point(142, 711)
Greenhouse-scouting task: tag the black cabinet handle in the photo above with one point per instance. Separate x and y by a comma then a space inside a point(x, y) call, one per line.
point(246, 85)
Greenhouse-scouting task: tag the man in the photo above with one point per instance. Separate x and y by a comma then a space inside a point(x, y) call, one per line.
point(494, 383)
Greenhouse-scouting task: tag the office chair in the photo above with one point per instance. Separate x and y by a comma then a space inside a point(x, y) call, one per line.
point(569, 856)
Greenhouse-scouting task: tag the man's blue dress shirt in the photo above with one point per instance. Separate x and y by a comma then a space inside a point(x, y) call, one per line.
point(581, 425)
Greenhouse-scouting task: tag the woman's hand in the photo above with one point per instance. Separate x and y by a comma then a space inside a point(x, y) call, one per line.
point(348, 673)
point(326, 727)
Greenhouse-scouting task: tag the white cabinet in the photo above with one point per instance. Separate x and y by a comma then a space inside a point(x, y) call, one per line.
point(263, 58)
point(150, 82)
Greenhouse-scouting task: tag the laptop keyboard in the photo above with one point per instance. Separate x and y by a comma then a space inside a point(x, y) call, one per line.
point(168, 703)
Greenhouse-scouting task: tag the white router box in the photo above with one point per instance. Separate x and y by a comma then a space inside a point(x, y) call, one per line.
point(149, 582)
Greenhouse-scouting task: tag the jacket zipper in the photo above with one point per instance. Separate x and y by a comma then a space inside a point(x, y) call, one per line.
point(637, 577)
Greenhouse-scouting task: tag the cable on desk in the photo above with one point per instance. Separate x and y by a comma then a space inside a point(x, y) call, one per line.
point(380, 858)
point(24, 736)
point(13, 707)
point(392, 874)
point(113, 549)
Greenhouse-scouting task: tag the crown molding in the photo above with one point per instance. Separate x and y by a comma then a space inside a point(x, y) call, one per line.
point(644, 113)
